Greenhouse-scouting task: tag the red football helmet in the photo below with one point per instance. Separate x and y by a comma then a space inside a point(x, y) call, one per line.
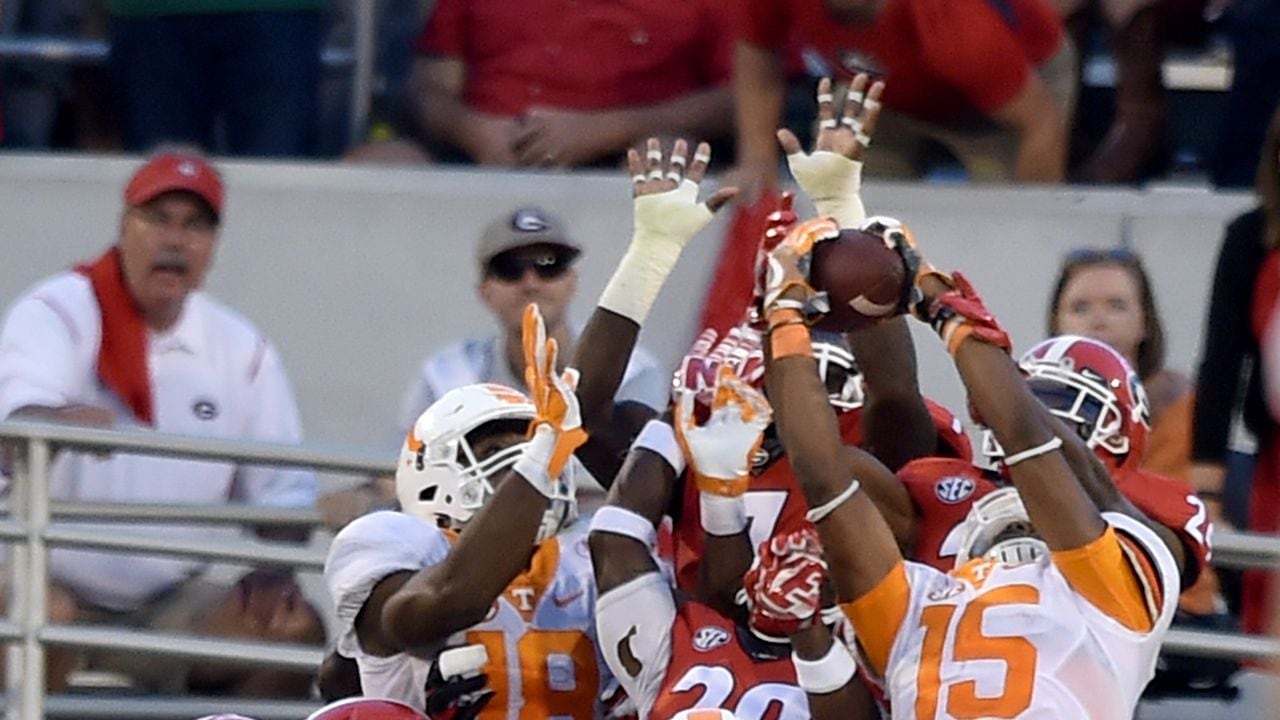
point(359, 708)
point(1094, 389)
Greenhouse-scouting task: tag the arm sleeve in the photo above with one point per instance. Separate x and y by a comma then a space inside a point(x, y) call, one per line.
point(1228, 340)
point(633, 626)
point(444, 33)
point(39, 347)
point(984, 62)
point(1127, 573)
point(369, 549)
point(274, 418)
point(877, 617)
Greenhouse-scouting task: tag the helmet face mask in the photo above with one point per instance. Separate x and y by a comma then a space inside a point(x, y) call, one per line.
point(998, 528)
point(839, 370)
point(443, 479)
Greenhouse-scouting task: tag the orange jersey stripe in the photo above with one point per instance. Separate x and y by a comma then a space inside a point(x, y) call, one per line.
point(1115, 575)
point(877, 616)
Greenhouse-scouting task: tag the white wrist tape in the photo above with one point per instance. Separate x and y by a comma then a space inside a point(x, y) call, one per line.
point(664, 224)
point(621, 521)
point(536, 458)
point(833, 182)
point(817, 514)
point(827, 674)
point(722, 515)
point(660, 438)
point(1035, 452)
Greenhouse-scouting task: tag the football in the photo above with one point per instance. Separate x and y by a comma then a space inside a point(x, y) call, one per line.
point(865, 280)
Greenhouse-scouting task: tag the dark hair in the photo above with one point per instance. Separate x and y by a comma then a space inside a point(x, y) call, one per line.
point(1151, 348)
point(1267, 183)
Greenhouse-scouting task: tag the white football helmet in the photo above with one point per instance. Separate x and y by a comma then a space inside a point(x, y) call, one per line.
point(439, 477)
point(987, 520)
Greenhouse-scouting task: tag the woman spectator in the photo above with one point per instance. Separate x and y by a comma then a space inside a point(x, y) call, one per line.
point(1105, 294)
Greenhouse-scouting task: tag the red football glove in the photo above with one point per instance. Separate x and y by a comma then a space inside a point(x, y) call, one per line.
point(784, 585)
point(960, 313)
point(740, 349)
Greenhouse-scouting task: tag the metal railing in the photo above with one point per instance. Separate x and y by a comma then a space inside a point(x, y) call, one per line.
point(32, 529)
point(359, 57)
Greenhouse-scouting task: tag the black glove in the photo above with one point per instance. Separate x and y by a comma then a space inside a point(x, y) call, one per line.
point(458, 697)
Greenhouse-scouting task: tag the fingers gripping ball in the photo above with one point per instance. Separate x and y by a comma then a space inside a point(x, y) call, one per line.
point(864, 276)
point(784, 586)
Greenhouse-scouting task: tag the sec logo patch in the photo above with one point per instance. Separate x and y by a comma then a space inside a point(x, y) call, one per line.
point(710, 637)
point(952, 490)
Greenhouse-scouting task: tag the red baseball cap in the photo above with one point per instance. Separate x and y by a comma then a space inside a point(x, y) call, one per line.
point(175, 171)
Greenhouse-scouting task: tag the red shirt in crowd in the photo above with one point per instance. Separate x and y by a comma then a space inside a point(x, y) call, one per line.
point(580, 55)
point(941, 60)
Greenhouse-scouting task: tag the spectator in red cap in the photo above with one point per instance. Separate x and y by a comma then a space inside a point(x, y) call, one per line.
point(131, 341)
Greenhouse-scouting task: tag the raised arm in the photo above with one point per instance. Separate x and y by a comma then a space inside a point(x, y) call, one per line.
point(1058, 484)
point(667, 215)
point(860, 547)
point(496, 545)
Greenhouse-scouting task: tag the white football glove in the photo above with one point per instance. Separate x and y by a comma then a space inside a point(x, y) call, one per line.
point(720, 450)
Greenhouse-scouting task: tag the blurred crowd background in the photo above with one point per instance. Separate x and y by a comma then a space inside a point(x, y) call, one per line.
point(1100, 92)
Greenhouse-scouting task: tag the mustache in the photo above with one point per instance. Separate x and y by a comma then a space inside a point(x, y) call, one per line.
point(171, 261)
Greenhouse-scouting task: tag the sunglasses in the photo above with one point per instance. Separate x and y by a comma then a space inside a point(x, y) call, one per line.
point(1086, 256)
point(510, 267)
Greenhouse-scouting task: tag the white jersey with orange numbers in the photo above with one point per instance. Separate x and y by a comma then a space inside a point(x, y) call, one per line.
point(539, 634)
point(1074, 635)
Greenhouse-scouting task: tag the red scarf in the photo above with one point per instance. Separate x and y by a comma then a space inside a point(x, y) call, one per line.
point(122, 358)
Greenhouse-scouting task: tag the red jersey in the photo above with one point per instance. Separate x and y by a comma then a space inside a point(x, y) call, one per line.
point(942, 60)
point(943, 490)
point(774, 501)
point(710, 668)
point(580, 55)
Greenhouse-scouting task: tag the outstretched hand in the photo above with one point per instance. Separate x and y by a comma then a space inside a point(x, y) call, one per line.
point(720, 450)
point(552, 392)
point(832, 174)
point(843, 129)
point(665, 188)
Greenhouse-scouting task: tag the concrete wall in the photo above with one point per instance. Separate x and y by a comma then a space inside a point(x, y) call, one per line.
point(357, 273)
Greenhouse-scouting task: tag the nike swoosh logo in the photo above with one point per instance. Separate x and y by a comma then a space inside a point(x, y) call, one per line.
point(564, 601)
